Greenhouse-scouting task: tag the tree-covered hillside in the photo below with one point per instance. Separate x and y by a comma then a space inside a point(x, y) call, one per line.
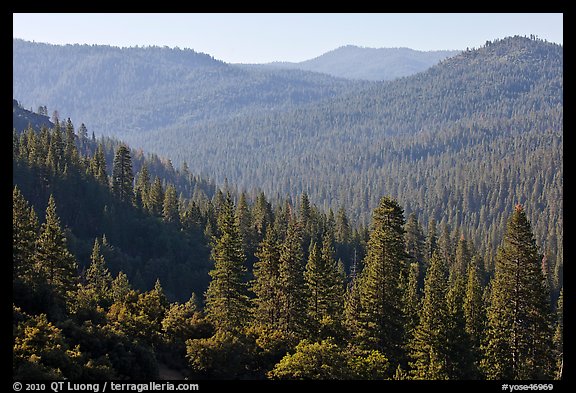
point(293, 292)
point(374, 64)
point(118, 91)
point(448, 143)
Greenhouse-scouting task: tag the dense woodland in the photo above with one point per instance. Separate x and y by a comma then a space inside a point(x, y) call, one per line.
point(364, 246)
point(293, 292)
point(374, 64)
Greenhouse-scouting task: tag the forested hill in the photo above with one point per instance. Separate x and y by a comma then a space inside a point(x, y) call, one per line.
point(374, 64)
point(453, 141)
point(22, 118)
point(134, 90)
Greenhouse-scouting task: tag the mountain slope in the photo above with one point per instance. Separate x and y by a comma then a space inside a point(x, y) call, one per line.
point(447, 140)
point(22, 118)
point(374, 64)
point(134, 90)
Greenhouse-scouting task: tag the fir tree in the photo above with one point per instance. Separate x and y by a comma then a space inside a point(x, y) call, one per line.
point(293, 319)
point(98, 277)
point(155, 198)
point(170, 206)
point(122, 176)
point(227, 302)
point(474, 310)
point(266, 283)
point(382, 318)
point(55, 263)
point(429, 352)
point(98, 165)
point(24, 234)
point(518, 336)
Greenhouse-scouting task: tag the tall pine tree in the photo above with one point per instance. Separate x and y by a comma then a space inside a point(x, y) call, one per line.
point(227, 302)
point(57, 266)
point(429, 350)
point(381, 318)
point(122, 176)
point(519, 334)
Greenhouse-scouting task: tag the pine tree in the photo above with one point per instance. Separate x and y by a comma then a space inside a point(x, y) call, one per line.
point(518, 336)
point(415, 245)
point(98, 277)
point(293, 319)
point(55, 263)
point(431, 244)
point(474, 310)
point(262, 215)
point(382, 318)
point(429, 352)
point(98, 165)
point(155, 198)
point(266, 283)
point(227, 302)
point(324, 291)
point(411, 300)
point(170, 211)
point(24, 234)
point(122, 176)
point(120, 288)
point(463, 256)
point(142, 185)
point(460, 361)
point(244, 217)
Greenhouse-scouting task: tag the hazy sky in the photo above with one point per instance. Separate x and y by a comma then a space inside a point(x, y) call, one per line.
point(260, 38)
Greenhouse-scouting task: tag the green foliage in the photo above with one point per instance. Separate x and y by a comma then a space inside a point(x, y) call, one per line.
point(519, 334)
point(227, 300)
point(222, 356)
point(381, 316)
point(40, 351)
point(122, 176)
point(56, 265)
point(326, 360)
point(429, 352)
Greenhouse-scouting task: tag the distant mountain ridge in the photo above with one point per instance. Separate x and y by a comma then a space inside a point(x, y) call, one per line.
point(145, 88)
point(374, 64)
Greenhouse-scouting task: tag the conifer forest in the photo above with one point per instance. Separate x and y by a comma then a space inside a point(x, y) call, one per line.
point(284, 224)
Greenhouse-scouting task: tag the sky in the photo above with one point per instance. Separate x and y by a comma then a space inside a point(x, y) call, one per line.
point(262, 37)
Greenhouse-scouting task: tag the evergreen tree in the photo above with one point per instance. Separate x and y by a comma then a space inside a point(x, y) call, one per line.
point(98, 277)
point(98, 165)
point(170, 211)
point(463, 257)
point(411, 300)
point(227, 302)
point(262, 215)
point(293, 319)
point(382, 318)
point(55, 263)
point(474, 310)
point(155, 198)
point(460, 361)
point(429, 352)
point(415, 246)
point(266, 283)
point(518, 336)
point(122, 176)
point(142, 185)
point(24, 234)
point(244, 217)
point(120, 288)
point(431, 244)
